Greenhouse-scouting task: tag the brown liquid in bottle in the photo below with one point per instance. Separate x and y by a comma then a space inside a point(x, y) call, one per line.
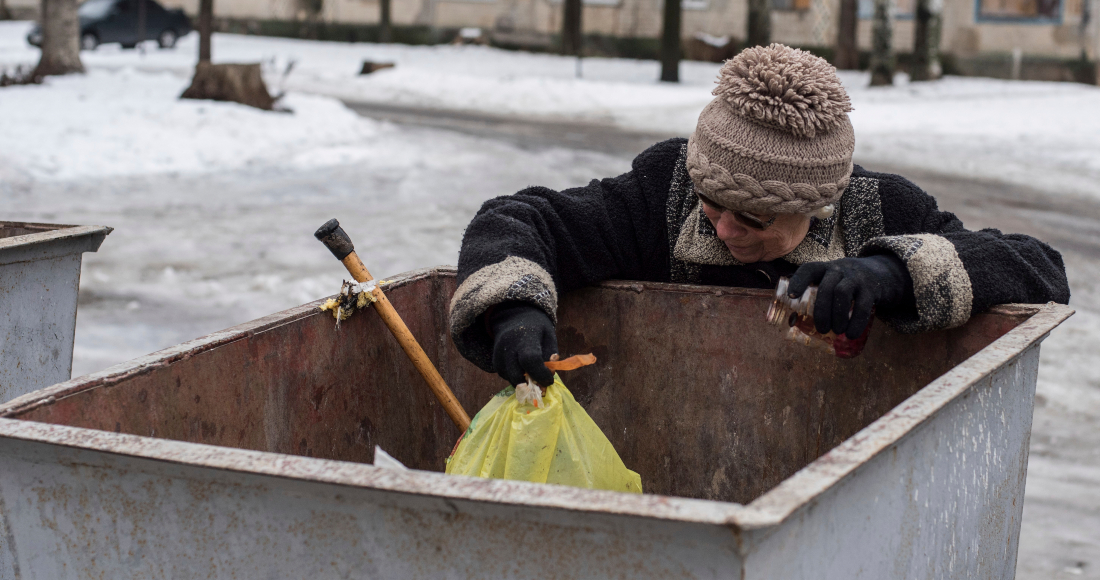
point(797, 316)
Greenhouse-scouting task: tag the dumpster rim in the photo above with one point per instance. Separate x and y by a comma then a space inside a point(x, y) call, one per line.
point(367, 476)
point(55, 232)
point(15, 249)
point(801, 489)
point(770, 509)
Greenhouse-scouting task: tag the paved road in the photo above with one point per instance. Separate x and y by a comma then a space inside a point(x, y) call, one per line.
point(1060, 536)
point(526, 133)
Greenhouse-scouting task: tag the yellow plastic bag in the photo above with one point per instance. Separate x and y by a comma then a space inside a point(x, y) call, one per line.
point(555, 442)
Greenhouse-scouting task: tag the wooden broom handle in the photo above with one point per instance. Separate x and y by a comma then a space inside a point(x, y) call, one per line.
point(338, 242)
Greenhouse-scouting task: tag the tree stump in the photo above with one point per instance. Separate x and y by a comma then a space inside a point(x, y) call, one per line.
point(372, 67)
point(708, 48)
point(238, 83)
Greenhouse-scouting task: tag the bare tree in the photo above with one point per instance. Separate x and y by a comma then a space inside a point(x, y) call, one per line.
point(847, 51)
point(760, 23)
point(882, 51)
point(206, 28)
point(670, 43)
point(385, 34)
point(571, 27)
point(142, 20)
point(926, 44)
point(60, 39)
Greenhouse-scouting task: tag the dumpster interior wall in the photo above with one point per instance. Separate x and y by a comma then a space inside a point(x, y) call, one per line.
point(697, 393)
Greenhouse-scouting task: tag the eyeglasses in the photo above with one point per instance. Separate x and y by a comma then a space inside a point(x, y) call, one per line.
point(743, 217)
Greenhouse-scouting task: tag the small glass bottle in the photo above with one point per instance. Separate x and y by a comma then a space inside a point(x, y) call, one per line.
point(797, 315)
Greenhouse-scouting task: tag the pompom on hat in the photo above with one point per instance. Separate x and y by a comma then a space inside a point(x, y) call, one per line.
point(776, 138)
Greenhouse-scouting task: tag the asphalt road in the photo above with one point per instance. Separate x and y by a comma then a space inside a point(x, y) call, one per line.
point(1060, 536)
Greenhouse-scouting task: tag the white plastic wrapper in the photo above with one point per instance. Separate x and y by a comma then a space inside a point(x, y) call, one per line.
point(529, 393)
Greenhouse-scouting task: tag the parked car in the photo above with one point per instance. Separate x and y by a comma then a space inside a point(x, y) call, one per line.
point(104, 21)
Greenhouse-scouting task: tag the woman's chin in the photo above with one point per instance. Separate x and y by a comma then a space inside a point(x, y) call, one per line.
point(745, 256)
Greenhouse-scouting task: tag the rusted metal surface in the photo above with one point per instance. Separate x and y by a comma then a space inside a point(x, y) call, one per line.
point(39, 278)
point(696, 392)
point(704, 399)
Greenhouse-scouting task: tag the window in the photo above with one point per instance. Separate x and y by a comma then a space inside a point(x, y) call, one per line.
point(903, 9)
point(1019, 10)
point(591, 2)
point(790, 4)
point(95, 9)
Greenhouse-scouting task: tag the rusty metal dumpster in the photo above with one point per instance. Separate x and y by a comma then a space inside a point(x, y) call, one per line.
point(244, 454)
point(39, 276)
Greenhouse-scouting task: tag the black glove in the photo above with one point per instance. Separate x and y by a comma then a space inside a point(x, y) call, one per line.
point(853, 285)
point(523, 337)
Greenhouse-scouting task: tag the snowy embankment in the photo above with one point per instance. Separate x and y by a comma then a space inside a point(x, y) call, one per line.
point(128, 123)
point(1044, 135)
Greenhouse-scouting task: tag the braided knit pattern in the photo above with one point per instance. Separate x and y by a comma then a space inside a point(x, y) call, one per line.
point(746, 193)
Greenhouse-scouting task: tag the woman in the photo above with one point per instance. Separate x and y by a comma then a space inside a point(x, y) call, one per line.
point(765, 187)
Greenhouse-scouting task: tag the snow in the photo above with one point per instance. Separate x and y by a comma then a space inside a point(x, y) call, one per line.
point(1040, 134)
point(712, 40)
point(214, 204)
point(122, 122)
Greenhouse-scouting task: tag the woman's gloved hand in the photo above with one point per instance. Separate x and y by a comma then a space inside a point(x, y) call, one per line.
point(853, 285)
point(523, 337)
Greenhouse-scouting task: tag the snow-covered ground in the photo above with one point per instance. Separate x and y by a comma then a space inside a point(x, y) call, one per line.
point(1044, 135)
point(124, 122)
point(214, 204)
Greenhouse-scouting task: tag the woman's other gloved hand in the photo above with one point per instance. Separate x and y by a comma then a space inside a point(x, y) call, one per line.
point(853, 285)
point(523, 337)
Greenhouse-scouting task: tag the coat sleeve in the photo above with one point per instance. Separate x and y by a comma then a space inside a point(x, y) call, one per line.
point(957, 272)
point(538, 243)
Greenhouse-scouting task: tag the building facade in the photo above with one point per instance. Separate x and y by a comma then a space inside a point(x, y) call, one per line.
point(1032, 29)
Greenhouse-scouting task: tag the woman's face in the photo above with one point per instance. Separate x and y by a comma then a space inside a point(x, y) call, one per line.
point(750, 245)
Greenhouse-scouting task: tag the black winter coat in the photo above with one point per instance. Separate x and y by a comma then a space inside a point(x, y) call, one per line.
point(647, 225)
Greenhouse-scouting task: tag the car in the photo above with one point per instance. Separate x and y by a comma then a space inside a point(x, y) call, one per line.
point(103, 21)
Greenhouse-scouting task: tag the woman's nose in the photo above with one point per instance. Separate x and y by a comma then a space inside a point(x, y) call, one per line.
point(728, 228)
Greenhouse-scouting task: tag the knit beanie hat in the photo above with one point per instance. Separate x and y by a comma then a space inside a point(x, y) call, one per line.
point(776, 138)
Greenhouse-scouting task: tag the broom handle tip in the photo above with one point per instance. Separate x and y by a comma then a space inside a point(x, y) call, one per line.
point(335, 239)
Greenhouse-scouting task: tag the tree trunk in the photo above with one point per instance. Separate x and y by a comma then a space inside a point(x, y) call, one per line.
point(882, 51)
point(760, 23)
point(571, 27)
point(670, 43)
point(5, 14)
point(847, 50)
point(926, 45)
point(60, 39)
point(143, 16)
point(206, 28)
point(385, 34)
